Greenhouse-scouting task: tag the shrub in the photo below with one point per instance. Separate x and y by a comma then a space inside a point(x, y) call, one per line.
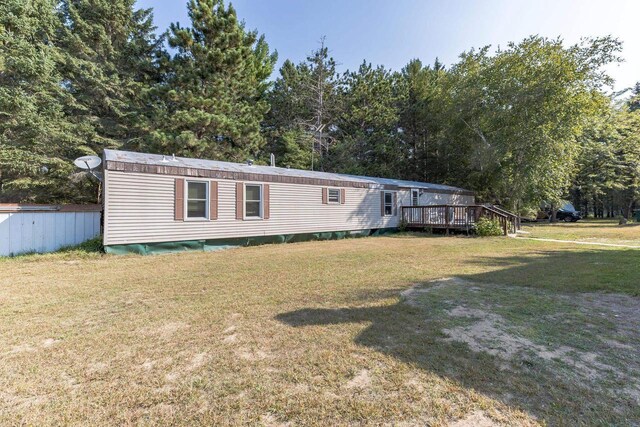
point(90, 246)
point(488, 227)
point(403, 224)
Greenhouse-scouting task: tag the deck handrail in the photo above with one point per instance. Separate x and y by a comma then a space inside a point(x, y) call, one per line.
point(515, 218)
point(461, 217)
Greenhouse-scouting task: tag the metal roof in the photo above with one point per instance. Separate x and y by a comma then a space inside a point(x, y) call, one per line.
point(164, 160)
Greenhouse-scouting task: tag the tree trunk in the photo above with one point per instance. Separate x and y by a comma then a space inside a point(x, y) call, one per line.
point(630, 208)
point(554, 214)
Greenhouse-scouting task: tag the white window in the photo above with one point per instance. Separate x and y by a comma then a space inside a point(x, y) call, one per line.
point(253, 201)
point(388, 203)
point(197, 199)
point(334, 195)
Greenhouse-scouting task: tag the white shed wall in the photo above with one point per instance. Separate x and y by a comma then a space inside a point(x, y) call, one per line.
point(23, 232)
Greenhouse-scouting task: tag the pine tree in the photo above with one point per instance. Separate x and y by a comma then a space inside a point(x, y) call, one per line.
point(215, 94)
point(322, 101)
point(285, 126)
point(110, 69)
point(304, 102)
point(36, 138)
point(368, 124)
point(634, 101)
point(420, 105)
point(75, 79)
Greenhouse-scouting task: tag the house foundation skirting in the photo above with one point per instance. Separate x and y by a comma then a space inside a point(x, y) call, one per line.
point(219, 244)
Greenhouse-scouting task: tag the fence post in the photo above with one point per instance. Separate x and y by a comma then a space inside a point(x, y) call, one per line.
point(446, 217)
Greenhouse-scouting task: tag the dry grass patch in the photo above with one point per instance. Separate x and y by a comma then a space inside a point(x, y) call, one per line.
point(597, 231)
point(310, 333)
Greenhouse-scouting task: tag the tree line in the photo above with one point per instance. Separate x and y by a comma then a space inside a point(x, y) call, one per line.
point(523, 124)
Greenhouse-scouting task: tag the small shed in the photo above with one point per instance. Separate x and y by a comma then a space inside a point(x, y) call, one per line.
point(26, 228)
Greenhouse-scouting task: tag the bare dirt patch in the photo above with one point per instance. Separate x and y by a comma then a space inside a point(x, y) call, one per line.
point(475, 419)
point(49, 342)
point(230, 338)
point(489, 333)
point(197, 361)
point(361, 380)
point(410, 295)
point(269, 420)
point(589, 338)
point(252, 356)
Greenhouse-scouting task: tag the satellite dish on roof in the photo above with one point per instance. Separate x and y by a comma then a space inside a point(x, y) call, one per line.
point(87, 162)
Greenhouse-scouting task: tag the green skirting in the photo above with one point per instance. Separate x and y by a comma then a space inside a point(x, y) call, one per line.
point(218, 244)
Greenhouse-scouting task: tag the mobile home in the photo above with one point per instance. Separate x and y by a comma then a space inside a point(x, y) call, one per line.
point(155, 203)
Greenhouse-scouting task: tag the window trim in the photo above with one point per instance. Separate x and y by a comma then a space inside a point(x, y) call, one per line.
point(207, 200)
point(244, 196)
point(390, 204)
point(329, 202)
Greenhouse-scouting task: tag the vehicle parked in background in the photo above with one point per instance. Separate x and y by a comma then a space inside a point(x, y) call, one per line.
point(567, 213)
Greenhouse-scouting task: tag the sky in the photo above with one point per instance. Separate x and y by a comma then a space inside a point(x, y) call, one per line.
point(392, 32)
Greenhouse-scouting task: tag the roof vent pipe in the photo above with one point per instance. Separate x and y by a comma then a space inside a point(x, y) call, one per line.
point(173, 158)
point(164, 159)
point(249, 162)
point(273, 160)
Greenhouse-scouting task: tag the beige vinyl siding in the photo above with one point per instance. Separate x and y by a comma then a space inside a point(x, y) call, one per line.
point(139, 208)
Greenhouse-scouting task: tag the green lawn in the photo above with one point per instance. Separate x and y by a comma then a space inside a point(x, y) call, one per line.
point(599, 231)
point(360, 331)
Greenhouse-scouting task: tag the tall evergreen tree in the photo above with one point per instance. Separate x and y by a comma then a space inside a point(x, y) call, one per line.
point(215, 94)
point(285, 125)
point(75, 78)
point(110, 69)
point(36, 138)
point(634, 101)
point(368, 125)
point(420, 106)
point(305, 105)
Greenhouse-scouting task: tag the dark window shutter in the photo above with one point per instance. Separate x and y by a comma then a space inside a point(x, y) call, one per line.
point(325, 195)
point(239, 200)
point(213, 200)
point(395, 204)
point(382, 203)
point(343, 194)
point(266, 210)
point(178, 200)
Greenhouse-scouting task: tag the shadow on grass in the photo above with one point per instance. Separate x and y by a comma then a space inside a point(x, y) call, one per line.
point(414, 335)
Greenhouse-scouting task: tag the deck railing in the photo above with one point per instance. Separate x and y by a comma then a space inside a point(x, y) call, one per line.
point(512, 217)
point(452, 217)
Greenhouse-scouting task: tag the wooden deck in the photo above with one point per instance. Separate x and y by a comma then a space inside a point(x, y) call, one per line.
point(453, 217)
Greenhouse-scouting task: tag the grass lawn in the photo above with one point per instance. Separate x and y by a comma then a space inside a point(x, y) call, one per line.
point(600, 230)
point(362, 331)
